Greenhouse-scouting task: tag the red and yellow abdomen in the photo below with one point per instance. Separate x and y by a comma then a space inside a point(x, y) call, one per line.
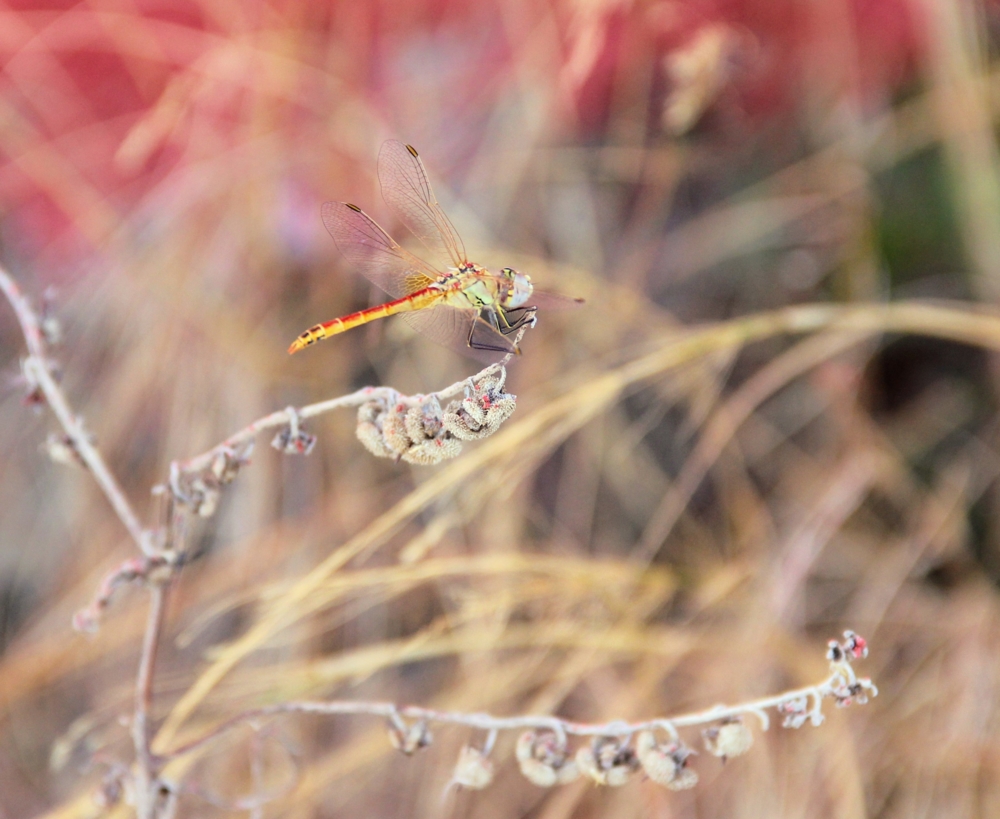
point(415, 301)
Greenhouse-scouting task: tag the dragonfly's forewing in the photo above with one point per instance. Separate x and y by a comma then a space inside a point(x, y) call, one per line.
point(373, 252)
point(408, 192)
point(453, 327)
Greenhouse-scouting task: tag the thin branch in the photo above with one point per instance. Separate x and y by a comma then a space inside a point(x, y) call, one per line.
point(146, 763)
point(38, 369)
point(239, 440)
point(798, 705)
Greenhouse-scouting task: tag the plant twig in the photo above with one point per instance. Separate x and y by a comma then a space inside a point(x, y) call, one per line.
point(797, 705)
point(239, 440)
point(291, 416)
point(38, 369)
point(146, 764)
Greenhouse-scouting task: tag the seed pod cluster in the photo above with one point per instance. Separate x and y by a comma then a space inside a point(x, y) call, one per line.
point(665, 764)
point(543, 759)
point(421, 432)
point(731, 737)
point(608, 761)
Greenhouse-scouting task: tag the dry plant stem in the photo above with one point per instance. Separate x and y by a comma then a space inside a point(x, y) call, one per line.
point(37, 367)
point(561, 727)
point(291, 415)
point(146, 763)
point(284, 417)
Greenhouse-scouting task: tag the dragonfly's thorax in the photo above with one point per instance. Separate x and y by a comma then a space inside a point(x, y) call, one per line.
point(473, 286)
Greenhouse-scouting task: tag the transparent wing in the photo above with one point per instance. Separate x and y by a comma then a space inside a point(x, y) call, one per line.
point(553, 301)
point(453, 327)
point(373, 252)
point(407, 191)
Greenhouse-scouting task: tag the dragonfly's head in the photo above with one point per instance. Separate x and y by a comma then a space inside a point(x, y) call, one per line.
point(518, 288)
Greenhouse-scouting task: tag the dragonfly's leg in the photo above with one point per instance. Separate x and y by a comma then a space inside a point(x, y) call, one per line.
point(488, 317)
point(529, 317)
point(472, 329)
point(517, 318)
point(493, 317)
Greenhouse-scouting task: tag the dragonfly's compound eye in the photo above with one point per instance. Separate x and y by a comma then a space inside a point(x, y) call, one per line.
point(519, 290)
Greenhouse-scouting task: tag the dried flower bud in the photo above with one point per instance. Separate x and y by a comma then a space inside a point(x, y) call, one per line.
point(298, 443)
point(855, 645)
point(432, 451)
point(394, 429)
point(607, 761)
point(418, 431)
point(87, 620)
point(292, 439)
point(410, 738)
point(227, 463)
point(474, 769)
point(665, 764)
point(51, 329)
point(61, 449)
point(200, 491)
point(731, 737)
point(48, 321)
point(369, 430)
point(796, 711)
point(543, 760)
point(834, 653)
point(423, 421)
point(412, 433)
point(856, 692)
point(204, 497)
point(485, 407)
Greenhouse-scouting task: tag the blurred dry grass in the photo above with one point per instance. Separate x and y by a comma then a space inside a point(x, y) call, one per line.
point(674, 516)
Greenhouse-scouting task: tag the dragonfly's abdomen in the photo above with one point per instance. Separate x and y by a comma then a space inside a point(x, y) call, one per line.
point(415, 301)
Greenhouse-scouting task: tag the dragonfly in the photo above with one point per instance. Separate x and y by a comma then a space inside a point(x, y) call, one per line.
point(458, 303)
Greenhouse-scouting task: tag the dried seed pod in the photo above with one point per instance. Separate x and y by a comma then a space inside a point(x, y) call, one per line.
point(293, 441)
point(410, 738)
point(543, 760)
point(227, 462)
point(474, 769)
point(665, 764)
point(485, 407)
point(731, 737)
point(394, 429)
point(423, 422)
point(61, 449)
point(408, 432)
point(796, 711)
point(607, 761)
point(204, 497)
point(369, 429)
point(432, 451)
point(418, 431)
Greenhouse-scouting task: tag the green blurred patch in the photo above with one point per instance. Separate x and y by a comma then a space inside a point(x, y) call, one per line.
point(917, 229)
